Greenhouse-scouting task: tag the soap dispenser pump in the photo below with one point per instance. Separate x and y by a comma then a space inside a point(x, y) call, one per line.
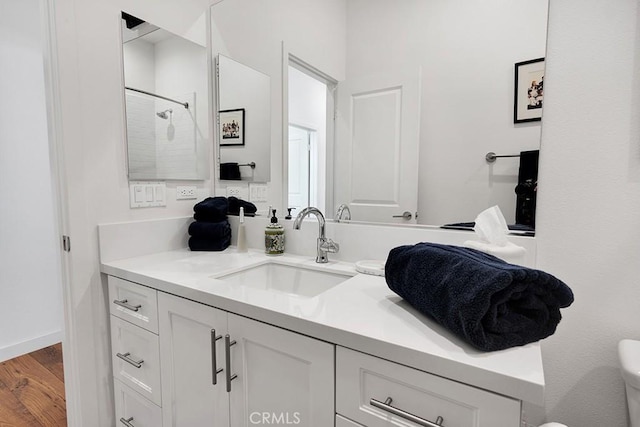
point(274, 237)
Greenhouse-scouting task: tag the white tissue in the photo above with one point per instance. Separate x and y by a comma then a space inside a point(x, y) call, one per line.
point(491, 227)
point(491, 230)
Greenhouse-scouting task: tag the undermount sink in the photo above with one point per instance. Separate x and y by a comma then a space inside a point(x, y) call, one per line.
point(294, 280)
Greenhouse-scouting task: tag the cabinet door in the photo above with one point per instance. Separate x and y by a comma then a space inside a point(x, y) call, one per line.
point(282, 377)
point(187, 357)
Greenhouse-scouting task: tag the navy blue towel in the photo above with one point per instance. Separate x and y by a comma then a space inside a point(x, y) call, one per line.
point(211, 209)
point(487, 302)
point(210, 230)
point(235, 204)
point(204, 244)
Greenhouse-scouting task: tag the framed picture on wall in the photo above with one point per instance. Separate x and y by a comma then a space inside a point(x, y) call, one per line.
point(528, 91)
point(231, 127)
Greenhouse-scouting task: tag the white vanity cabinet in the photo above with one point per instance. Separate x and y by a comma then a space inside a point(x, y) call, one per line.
point(266, 374)
point(204, 366)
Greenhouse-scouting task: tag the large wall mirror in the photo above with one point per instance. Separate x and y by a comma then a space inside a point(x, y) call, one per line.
point(244, 122)
point(422, 91)
point(167, 103)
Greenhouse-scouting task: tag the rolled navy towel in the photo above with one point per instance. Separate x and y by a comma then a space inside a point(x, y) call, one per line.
point(204, 244)
point(487, 302)
point(210, 230)
point(211, 209)
point(235, 204)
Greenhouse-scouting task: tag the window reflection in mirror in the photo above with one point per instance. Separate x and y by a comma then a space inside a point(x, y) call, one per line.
point(166, 103)
point(310, 135)
point(244, 122)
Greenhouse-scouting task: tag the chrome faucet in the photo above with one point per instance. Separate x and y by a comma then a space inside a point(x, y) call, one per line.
point(343, 210)
point(324, 245)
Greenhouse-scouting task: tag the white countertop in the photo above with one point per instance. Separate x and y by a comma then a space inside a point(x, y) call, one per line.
point(361, 313)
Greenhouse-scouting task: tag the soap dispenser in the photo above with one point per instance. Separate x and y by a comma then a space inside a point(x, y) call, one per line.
point(242, 236)
point(274, 237)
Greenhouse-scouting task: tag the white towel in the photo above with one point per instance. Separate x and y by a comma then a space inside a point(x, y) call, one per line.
point(509, 252)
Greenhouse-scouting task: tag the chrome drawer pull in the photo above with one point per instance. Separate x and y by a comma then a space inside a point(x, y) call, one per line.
point(124, 303)
point(126, 358)
point(386, 406)
point(227, 350)
point(127, 422)
point(214, 369)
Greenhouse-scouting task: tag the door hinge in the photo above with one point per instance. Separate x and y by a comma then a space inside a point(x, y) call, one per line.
point(66, 243)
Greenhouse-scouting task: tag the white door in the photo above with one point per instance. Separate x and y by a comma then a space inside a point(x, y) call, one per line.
point(188, 359)
point(376, 154)
point(282, 377)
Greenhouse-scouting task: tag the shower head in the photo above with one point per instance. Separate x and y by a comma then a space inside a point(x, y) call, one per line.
point(164, 115)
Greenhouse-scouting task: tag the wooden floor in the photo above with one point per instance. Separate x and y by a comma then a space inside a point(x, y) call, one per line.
point(32, 390)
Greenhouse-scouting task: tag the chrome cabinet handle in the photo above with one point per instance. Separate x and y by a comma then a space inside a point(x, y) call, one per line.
point(405, 215)
point(130, 361)
point(127, 422)
point(386, 406)
point(214, 368)
point(124, 303)
point(227, 352)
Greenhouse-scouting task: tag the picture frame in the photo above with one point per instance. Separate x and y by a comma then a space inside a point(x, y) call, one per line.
point(231, 130)
point(528, 93)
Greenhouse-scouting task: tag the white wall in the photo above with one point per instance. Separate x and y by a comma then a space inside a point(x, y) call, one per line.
point(588, 226)
point(30, 288)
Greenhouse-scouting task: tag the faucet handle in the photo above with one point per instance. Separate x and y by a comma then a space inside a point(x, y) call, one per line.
point(330, 246)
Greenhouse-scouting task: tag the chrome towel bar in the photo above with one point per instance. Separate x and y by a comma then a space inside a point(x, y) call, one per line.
point(491, 156)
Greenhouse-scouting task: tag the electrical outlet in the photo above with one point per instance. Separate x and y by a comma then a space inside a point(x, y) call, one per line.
point(186, 192)
point(239, 192)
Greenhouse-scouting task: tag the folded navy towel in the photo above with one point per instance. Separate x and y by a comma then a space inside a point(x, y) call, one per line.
point(210, 230)
point(211, 209)
point(204, 244)
point(235, 204)
point(487, 302)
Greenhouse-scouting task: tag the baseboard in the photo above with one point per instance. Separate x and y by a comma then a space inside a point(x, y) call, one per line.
point(24, 347)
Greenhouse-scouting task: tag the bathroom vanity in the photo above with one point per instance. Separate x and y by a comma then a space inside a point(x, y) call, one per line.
point(238, 339)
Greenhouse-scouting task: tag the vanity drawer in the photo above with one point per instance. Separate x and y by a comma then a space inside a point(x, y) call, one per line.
point(134, 303)
point(360, 378)
point(136, 358)
point(134, 409)
point(343, 422)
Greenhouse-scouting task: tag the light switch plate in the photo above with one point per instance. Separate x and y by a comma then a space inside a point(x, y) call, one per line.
point(258, 193)
point(147, 194)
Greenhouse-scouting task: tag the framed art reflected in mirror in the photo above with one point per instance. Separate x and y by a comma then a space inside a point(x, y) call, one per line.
point(232, 127)
point(529, 91)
